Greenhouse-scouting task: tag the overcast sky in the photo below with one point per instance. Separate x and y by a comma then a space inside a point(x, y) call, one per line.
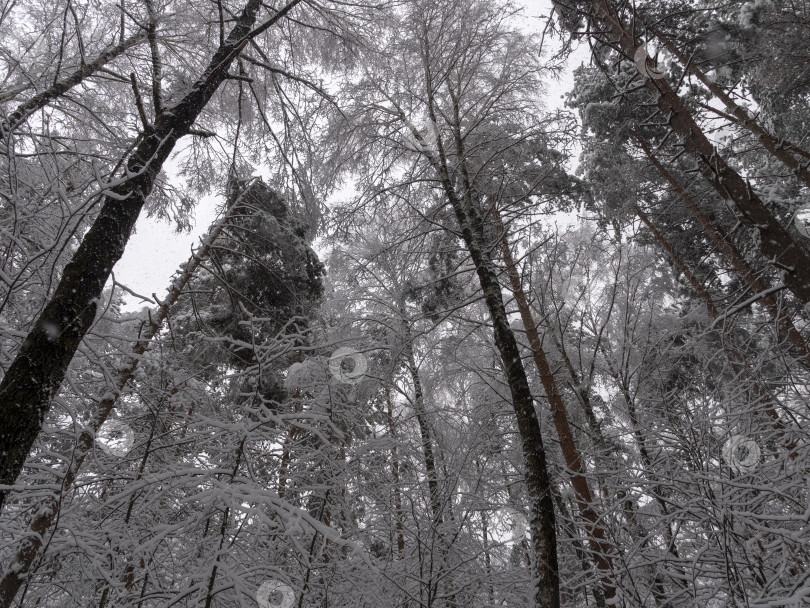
point(155, 250)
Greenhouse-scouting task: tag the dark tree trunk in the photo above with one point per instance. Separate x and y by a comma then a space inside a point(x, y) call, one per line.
point(424, 426)
point(577, 471)
point(546, 576)
point(538, 482)
point(48, 510)
point(39, 368)
point(395, 476)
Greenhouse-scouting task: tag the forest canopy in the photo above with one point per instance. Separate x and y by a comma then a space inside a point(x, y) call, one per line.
point(446, 344)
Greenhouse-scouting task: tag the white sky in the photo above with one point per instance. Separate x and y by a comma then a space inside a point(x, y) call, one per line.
point(155, 251)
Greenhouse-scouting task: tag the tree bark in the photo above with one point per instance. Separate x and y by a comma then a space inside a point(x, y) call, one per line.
point(538, 481)
point(775, 243)
point(424, 426)
point(37, 372)
point(779, 148)
point(577, 471)
point(48, 511)
point(546, 581)
point(738, 362)
point(395, 477)
point(732, 254)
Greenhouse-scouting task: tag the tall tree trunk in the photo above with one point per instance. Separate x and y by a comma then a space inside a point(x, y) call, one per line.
point(776, 245)
point(736, 358)
point(48, 511)
point(779, 148)
point(538, 481)
point(39, 368)
point(597, 535)
point(783, 323)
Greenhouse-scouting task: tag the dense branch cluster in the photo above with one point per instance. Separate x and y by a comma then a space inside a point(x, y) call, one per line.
point(443, 347)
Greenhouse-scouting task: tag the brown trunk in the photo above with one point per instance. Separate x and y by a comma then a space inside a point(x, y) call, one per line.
point(732, 254)
point(775, 243)
point(738, 362)
point(779, 148)
point(597, 536)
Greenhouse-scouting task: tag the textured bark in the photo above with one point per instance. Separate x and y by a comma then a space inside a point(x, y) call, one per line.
point(39, 101)
point(37, 372)
point(48, 511)
point(597, 535)
point(732, 254)
point(730, 346)
point(784, 151)
point(775, 243)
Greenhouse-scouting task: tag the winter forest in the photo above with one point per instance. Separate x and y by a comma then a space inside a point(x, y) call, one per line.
point(499, 309)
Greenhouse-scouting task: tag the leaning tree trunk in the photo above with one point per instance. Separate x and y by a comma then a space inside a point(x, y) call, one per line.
point(39, 368)
point(538, 482)
point(776, 244)
point(574, 462)
point(759, 286)
point(48, 512)
point(778, 147)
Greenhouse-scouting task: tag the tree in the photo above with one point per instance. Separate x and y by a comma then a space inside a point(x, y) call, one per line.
point(36, 374)
point(440, 87)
